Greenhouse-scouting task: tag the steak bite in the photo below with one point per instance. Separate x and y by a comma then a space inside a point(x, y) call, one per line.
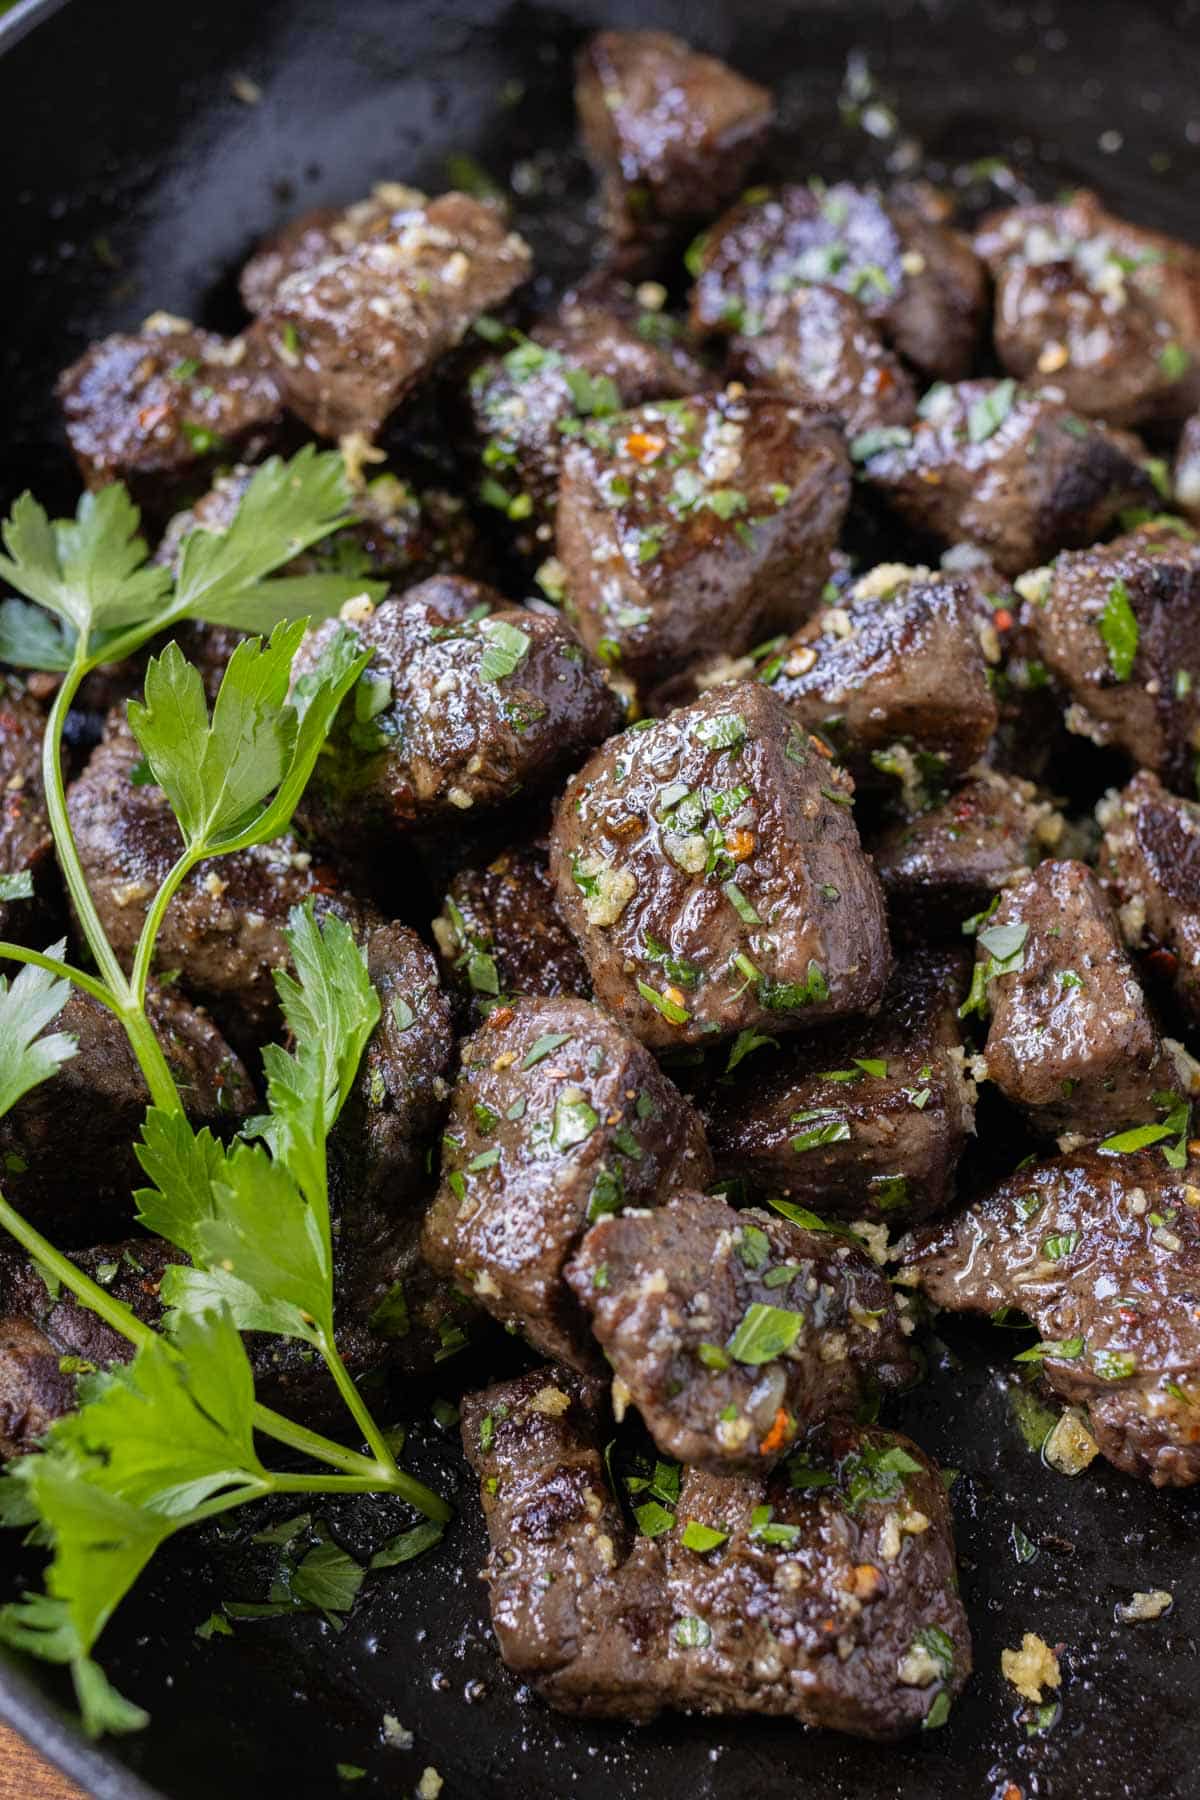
point(1102, 1252)
point(223, 932)
point(67, 1147)
point(500, 933)
point(1150, 863)
point(821, 348)
point(891, 678)
point(1109, 310)
point(557, 1118)
point(1071, 1040)
point(670, 132)
point(577, 1601)
point(691, 528)
point(1011, 470)
point(1117, 626)
point(314, 236)
point(866, 1119)
point(734, 1333)
point(160, 408)
point(709, 867)
point(832, 1601)
point(467, 702)
point(352, 335)
point(26, 841)
point(590, 358)
point(919, 280)
point(941, 866)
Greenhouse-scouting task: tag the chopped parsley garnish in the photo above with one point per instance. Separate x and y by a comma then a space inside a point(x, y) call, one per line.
point(764, 1333)
point(1064, 1350)
point(506, 649)
point(701, 1538)
point(574, 1123)
point(671, 1010)
point(989, 412)
point(1118, 627)
point(721, 731)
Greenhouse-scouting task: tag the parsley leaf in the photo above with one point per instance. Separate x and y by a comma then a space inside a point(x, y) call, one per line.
point(33, 1000)
point(150, 1446)
point(218, 773)
point(287, 507)
point(257, 1226)
point(91, 571)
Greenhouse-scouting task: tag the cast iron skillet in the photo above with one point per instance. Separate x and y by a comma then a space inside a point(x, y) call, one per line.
point(134, 179)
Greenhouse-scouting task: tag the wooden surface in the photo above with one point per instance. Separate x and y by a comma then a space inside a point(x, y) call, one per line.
point(24, 1776)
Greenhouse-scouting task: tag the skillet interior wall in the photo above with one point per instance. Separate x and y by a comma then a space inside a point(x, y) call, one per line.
point(135, 179)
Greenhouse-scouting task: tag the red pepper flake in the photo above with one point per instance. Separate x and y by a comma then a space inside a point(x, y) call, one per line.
point(1163, 962)
point(1002, 619)
point(644, 447)
point(501, 1016)
point(782, 1432)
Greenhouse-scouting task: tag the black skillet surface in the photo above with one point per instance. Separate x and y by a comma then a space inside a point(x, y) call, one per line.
point(135, 179)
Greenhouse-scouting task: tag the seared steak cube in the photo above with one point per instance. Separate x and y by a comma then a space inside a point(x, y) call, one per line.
point(671, 132)
point(864, 1120)
point(577, 1607)
point(26, 841)
point(160, 408)
point(587, 360)
point(1011, 470)
point(1150, 862)
point(830, 1598)
point(1071, 1039)
point(918, 279)
point(1117, 626)
point(1108, 310)
point(822, 348)
point(500, 932)
point(709, 867)
point(353, 335)
point(466, 703)
point(66, 1148)
point(894, 679)
point(942, 866)
point(1101, 1249)
point(313, 237)
point(557, 1118)
point(223, 932)
point(734, 1333)
point(692, 528)
point(401, 1091)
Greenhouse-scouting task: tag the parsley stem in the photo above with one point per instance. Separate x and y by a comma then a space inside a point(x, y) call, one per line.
point(154, 918)
point(65, 971)
point(138, 1030)
point(421, 1497)
point(60, 825)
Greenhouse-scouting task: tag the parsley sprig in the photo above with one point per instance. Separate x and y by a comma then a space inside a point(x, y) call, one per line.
point(170, 1439)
